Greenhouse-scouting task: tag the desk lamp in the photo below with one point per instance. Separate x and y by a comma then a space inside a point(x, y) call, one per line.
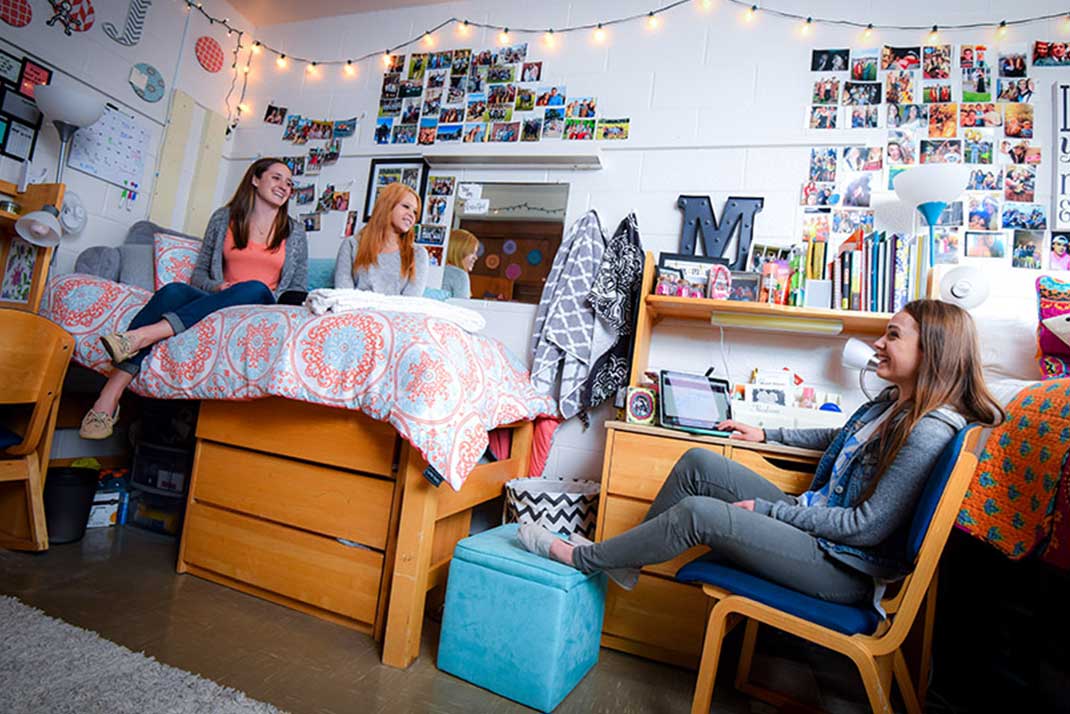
point(858, 355)
point(930, 187)
point(69, 110)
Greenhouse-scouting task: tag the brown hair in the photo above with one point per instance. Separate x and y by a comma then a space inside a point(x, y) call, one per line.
point(241, 207)
point(373, 235)
point(949, 375)
point(462, 244)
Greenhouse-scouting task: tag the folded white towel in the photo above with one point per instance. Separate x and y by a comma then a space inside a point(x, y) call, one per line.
point(326, 300)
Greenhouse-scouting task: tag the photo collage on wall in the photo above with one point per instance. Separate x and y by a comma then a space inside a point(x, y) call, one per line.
point(942, 103)
point(323, 139)
point(433, 232)
point(494, 95)
point(20, 119)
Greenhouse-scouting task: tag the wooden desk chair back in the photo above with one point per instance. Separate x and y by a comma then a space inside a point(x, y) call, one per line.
point(34, 356)
point(878, 656)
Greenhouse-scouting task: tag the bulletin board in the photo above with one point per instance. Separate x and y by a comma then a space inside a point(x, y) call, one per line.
point(114, 150)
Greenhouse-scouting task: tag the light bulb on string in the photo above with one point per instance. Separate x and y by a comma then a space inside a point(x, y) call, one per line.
point(1002, 28)
point(245, 69)
point(256, 47)
point(652, 20)
point(868, 31)
point(934, 35)
point(243, 108)
point(386, 58)
point(311, 69)
point(429, 41)
point(807, 25)
point(503, 36)
point(705, 5)
point(548, 37)
point(462, 29)
point(281, 61)
point(599, 34)
point(751, 12)
point(349, 68)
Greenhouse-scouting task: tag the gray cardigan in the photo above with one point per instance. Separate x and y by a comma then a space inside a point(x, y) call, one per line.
point(385, 276)
point(455, 281)
point(208, 273)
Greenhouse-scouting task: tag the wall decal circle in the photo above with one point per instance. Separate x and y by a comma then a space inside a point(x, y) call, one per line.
point(509, 247)
point(493, 261)
point(147, 82)
point(514, 271)
point(209, 54)
point(16, 13)
point(534, 257)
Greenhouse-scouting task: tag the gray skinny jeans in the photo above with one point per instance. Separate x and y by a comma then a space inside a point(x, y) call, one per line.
point(694, 508)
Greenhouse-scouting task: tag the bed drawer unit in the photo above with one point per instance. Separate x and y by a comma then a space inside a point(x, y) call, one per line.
point(662, 619)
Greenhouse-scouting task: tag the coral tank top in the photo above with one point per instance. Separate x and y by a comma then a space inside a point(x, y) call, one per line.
point(255, 262)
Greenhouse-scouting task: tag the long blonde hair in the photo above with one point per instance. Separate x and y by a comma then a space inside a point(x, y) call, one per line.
point(373, 235)
point(949, 375)
point(462, 244)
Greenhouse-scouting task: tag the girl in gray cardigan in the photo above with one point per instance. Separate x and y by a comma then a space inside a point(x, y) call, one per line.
point(385, 258)
point(252, 253)
point(846, 535)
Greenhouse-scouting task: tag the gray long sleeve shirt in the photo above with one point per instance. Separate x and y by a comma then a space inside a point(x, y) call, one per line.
point(385, 276)
point(208, 272)
point(456, 283)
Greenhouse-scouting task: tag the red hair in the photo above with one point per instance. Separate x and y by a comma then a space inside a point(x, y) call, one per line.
point(373, 235)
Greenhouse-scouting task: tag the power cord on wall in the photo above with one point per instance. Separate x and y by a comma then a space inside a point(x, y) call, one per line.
point(724, 357)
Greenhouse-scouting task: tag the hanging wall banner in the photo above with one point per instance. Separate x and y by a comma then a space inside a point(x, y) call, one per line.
point(1060, 214)
point(135, 22)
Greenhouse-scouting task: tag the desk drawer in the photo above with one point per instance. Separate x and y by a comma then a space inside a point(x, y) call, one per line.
point(624, 513)
point(640, 463)
point(660, 618)
point(309, 568)
point(312, 432)
point(790, 474)
point(315, 498)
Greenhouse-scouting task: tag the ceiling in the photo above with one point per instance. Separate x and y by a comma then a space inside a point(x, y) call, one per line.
point(275, 12)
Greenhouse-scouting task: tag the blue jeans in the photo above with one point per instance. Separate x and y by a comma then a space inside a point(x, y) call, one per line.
point(183, 306)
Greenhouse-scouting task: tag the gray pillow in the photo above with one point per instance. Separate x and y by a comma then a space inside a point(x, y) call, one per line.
point(137, 265)
point(100, 260)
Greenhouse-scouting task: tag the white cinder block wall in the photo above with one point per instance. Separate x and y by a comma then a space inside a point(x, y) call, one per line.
point(717, 107)
point(95, 64)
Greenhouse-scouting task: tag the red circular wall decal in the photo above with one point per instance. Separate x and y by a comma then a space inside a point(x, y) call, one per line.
point(16, 13)
point(209, 54)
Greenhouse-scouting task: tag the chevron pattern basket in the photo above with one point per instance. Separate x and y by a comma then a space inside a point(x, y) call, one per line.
point(563, 506)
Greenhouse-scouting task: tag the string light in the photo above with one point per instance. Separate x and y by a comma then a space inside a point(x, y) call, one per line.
point(548, 37)
point(243, 108)
point(311, 69)
point(1002, 28)
point(349, 68)
point(462, 29)
point(428, 40)
point(386, 58)
point(807, 24)
point(503, 37)
point(869, 30)
point(652, 20)
point(281, 61)
point(706, 4)
point(751, 12)
point(934, 35)
point(245, 69)
point(599, 34)
point(256, 47)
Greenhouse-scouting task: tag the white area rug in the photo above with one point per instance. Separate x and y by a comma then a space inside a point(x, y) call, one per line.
point(47, 665)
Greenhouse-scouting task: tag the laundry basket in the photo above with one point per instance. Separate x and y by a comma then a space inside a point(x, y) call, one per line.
point(564, 506)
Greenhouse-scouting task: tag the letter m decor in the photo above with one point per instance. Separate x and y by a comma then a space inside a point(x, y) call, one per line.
point(698, 217)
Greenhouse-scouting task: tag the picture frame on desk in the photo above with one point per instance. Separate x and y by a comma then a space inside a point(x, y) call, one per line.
point(695, 269)
point(744, 286)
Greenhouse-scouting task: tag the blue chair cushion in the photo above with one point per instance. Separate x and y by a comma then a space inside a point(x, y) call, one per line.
point(848, 619)
point(8, 438)
point(934, 489)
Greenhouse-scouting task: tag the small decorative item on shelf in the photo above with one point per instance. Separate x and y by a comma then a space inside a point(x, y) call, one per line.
point(695, 270)
point(673, 283)
point(720, 286)
point(641, 407)
point(744, 287)
point(776, 275)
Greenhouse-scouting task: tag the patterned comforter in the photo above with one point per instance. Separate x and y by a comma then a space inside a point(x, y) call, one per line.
point(442, 388)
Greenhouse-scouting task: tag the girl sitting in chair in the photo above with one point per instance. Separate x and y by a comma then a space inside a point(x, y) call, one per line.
point(252, 253)
point(384, 258)
point(461, 256)
point(845, 537)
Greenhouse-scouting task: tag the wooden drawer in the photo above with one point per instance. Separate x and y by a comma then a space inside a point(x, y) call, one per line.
point(339, 504)
point(312, 569)
point(660, 619)
point(624, 513)
point(640, 464)
point(313, 432)
point(791, 474)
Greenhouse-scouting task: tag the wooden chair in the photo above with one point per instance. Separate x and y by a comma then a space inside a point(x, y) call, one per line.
point(34, 355)
point(875, 646)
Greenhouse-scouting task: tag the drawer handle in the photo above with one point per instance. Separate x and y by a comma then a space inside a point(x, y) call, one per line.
point(787, 465)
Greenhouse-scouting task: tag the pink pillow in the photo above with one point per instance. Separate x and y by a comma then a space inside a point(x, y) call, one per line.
point(175, 258)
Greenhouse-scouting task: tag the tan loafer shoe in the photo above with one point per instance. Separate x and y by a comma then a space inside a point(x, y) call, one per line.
point(119, 346)
point(98, 425)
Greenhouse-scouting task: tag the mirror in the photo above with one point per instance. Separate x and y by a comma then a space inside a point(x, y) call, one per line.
point(519, 227)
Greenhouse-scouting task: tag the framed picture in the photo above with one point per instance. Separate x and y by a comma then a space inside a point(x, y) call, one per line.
point(16, 106)
point(694, 268)
point(31, 75)
point(10, 69)
point(744, 287)
point(411, 172)
point(19, 140)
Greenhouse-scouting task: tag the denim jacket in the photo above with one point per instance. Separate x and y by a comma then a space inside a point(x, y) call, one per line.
point(867, 534)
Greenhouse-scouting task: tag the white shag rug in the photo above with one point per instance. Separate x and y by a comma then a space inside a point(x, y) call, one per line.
point(47, 665)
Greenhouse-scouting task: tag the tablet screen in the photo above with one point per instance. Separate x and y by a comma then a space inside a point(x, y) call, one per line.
point(693, 400)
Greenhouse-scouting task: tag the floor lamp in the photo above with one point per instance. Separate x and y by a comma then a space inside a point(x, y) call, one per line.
point(930, 187)
point(69, 110)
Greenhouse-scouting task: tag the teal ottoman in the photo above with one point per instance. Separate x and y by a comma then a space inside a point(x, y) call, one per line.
point(525, 627)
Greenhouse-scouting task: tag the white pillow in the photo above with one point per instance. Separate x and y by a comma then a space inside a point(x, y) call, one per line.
point(1008, 346)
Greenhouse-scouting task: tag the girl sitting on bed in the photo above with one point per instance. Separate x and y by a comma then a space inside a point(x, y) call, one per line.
point(383, 258)
point(846, 536)
point(460, 259)
point(252, 253)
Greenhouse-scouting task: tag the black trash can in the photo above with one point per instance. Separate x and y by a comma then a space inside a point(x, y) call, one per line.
point(69, 495)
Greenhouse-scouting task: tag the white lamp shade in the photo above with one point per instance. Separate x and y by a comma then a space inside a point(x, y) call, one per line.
point(68, 105)
point(892, 215)
point(932, 182)
point(40, 228)
point(858, 355)
point(965, 286)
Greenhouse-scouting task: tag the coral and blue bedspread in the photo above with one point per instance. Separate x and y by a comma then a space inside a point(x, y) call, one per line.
point(442, 388)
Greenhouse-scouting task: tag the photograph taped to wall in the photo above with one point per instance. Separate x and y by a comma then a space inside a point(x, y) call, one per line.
point(1012, 91)
point(417, 65)
point(1018, 121)
point(1012, 62)
point(823, 117)
point(1019, 183)
point(826, 91)
point(864, 65)
point(977, 84)
point(504, 132)
point(1059, 254)
point(908, 116)
point(1027, 216)
point(977, 146)
point(936, 61)
point(579, 129)
point(411, 89)
point(449, 133)
point(1028, 246)
point(462, 59)
point(1051, 54)
point(899, 86)
point(861, 93)
point(980, 115)
point(474, 133)
point(551, 96)
point(864, 117)
point(972, 56)
point(983, 212)
point(531, 130)
point(900, 148)
point(311, 222)
point(941, 151)
point(304, 195)
point(900, 57)
point(612, 129)
point(984, 179)
point(274, 114)
point(946, 243)
point(943, 121)
point(428, 130)
point(431, 235)
point(553, 123)
point(985, 245)
point(1019, 152)
point(829, 60)
point(404, 134)
point(816, 194)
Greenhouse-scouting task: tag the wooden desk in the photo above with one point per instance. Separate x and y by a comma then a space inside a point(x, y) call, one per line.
point(663, 619)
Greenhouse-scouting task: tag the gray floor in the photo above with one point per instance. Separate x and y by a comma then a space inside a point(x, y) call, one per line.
point(120, 583)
